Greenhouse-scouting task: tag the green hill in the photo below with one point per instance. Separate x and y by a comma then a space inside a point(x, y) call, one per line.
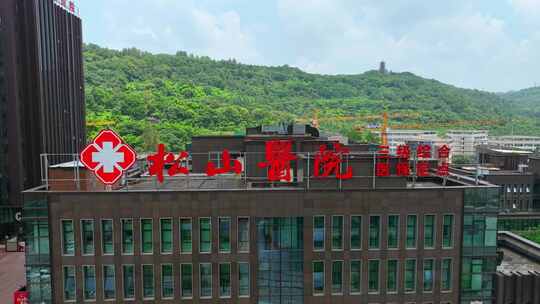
point(526, 101)
point(143, 96)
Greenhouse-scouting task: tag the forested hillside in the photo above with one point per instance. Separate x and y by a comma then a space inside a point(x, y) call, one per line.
point(526, 101)
point(169, 98)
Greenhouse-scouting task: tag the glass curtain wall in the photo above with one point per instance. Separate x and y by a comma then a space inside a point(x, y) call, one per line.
point(479, 248)
point(281, 258)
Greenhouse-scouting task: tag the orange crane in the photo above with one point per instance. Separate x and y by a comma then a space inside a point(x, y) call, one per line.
point(99, 123)
point(458, 123)
point(315, 119)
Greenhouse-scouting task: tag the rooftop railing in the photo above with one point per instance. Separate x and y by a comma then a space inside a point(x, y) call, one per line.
point(65, 172)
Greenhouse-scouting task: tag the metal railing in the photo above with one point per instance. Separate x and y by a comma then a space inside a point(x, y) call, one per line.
point(65, 171)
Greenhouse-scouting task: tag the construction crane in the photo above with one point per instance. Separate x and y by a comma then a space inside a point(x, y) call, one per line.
point(385, 116)
point(315, 119)
point(99, 123)
point(451, 124)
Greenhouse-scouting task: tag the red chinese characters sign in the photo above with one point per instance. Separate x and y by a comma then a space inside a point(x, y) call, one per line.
point(403, 166)
point(108, 156)
point(278, 160)
point(329, 162)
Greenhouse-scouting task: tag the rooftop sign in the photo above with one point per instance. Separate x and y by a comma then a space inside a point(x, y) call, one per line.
point(108, 157)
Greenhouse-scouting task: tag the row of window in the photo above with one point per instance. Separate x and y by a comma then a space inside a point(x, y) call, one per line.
point(373, 269)
point(243, 235)
point(374, 233)
point(148, 287)
point(517, 188)
point(147, 281)
point(147, 235)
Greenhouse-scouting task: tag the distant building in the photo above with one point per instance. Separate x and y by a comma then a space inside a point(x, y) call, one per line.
point(531, 143)
point(534, 167)
point(504, 159)
point(464, 142)
point(398, 137)
point(382, 68)
point(41, 94)
point(508, 169)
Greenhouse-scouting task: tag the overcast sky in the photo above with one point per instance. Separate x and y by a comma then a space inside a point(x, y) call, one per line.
point(485, 44)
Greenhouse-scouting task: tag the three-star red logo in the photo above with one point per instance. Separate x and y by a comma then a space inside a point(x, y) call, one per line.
point(108, 157)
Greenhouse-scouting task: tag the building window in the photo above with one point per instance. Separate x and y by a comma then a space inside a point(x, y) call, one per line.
point(411, 231)
point(471, 277)
point(127, 236)
point(393, 231)
point(318, 233)
point(109, 282)
point(243, 279)
point(186, 235)
point(243, 234)
point(356, 232)
point(128, 276)
point(429, 231)
point(448, 231)
point(280, 254)
point(224, 224)
point(356, 276)
point(491, 232)
point(337, 277)
point(391, 276)
point(205, 280)
point(147, 236)
point(148, 287)
point(68, 238)
point(205, 235)
point(69, 283)
point(318, 278)
point(166, 227)
point(186, 273)
point(446, 274)
point(89, 283)
point(410, 275)
point(225, 280)
point(107, 237)
point(87, 231)
point(337, 232)
point(167, 281)
point(428, 275)
point(373, 276)
point(374, 231)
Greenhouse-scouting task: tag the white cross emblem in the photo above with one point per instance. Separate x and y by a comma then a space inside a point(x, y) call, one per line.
point(108, 157)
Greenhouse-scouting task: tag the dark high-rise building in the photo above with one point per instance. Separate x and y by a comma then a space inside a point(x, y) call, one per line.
point(41, 94)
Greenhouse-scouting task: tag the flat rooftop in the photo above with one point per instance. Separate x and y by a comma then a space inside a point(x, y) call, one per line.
point(232, 182)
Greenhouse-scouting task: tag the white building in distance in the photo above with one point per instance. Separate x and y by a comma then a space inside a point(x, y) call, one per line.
point(464, 142)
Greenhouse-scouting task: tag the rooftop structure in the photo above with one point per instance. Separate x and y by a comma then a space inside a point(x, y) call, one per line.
point(530, 143)
point(518, 274)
